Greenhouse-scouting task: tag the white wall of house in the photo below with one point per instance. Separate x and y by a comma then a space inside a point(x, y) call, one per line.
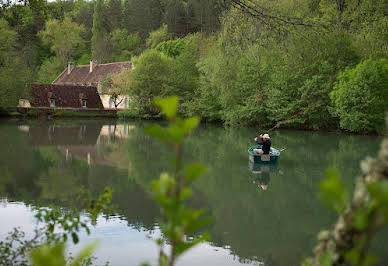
point(108, 104)
point(24, 103)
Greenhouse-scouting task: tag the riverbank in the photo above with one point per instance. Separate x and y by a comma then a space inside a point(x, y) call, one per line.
point(57, 112)
point(26, 113)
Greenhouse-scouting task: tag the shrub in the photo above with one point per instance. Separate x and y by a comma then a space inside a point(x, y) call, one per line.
point(360, 96)
point(172, 48)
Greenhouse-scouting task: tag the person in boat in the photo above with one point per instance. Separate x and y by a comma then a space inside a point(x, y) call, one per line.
point(265, 142)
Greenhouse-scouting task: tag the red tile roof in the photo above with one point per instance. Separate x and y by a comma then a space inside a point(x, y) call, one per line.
point(64, 95)
point(80, 75)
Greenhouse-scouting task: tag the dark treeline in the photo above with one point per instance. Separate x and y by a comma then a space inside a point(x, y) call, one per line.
point(240, 62)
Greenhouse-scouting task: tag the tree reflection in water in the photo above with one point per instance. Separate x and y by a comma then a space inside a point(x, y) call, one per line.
point(50, 162)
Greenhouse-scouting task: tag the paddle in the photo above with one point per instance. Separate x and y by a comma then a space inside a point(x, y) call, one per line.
point(283, 149)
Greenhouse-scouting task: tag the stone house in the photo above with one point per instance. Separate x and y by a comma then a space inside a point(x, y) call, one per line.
point(92, 75)
point(63, 96)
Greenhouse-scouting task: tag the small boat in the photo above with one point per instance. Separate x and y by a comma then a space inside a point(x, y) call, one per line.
point(273, 155)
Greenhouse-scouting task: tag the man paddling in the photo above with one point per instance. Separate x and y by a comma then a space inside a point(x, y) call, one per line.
point(265, 144)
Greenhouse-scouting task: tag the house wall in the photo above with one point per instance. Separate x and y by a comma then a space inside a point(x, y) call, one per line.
point(105, 99)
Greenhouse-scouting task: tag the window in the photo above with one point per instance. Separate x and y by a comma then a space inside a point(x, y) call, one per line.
point(83, 103)
point(52, 102)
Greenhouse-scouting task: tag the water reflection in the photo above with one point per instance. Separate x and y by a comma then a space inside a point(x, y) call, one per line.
point(273, 221)
point(260, 173)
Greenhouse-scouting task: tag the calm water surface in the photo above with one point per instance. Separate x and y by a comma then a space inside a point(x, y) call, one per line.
point(262, 215)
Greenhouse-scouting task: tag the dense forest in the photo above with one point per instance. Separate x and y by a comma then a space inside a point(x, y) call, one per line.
point(240, 62)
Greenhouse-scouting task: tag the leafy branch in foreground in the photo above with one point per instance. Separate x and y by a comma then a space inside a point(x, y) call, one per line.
point(349, 241)
point(53, 228)
point(171, 190)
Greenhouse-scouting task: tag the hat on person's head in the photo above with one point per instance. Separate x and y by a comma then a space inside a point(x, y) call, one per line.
point(266, 136)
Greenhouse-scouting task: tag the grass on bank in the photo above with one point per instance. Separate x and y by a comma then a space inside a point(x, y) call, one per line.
point(71, 113)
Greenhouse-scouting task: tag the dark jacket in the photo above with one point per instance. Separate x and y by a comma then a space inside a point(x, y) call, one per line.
point(265, 146)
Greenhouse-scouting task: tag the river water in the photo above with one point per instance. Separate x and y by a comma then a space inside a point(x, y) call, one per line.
point(261, 215)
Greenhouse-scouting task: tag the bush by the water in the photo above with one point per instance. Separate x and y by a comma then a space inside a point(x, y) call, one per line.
point(360, 97)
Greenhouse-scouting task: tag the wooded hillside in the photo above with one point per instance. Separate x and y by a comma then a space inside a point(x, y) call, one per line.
point(237, 61)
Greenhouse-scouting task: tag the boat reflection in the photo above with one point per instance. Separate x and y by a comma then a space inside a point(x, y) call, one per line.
point(261, 173)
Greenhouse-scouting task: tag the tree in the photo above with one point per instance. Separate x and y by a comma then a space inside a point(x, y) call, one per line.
point(100, 40)
point(125, 45)
point(142, 16)
point(64, 38)
point(83, 15)
point(206, 13)
point(150, 78)
point(360, 96)
point(158, 36)
point(115, 85)
point(113, 15)
point(176, 17)
point(172, 48)
point(50, 69)
point(13, 73)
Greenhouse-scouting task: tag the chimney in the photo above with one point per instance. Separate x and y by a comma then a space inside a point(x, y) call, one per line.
point(70, 67)
point(93, 63)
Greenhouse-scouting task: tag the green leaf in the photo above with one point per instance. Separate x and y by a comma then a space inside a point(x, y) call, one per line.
point(190, 123)
point(185, 193)
point(361, 219)
point(48, 255)
point(84, 254)
point(326, 259)
point(333, 192)
point(379, 191)
point(74, 236)
point(353, 256)
point(194, 170)
point(175, 132)
point(164, 183)
point(157, 131)
point(168, 105)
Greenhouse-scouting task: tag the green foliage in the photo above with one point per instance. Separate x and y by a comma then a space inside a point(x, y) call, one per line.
point(172, 48)
point(13, 73)
point(360, 97)
point(55, 255)
point(149, 79)
point(171, 190)
point(158, 36)
point(84, 59)
point(246, 70)
point(63, 38)
point(70, 113)
point(54, 227)
point(125, 45)
point(50, 70)
point(333, 192)
point(100, 40)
